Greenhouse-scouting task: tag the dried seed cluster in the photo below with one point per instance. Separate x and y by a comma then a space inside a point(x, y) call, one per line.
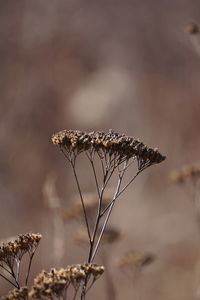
point(16, 249)
point(136, 259)
point(189, 172)
point(17, 294)
point(56, 281)
point(112, 143)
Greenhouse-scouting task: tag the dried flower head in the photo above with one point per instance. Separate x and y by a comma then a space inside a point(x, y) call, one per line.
point(55, 282)
point(110, 236)
point(188, 172)
point(120, 145)
point(25, 243)
point(135, 259)
point(17, 294)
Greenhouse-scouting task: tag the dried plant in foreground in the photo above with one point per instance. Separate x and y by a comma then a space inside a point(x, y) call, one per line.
point(11, 254)
point(17, 294)
point(116, 153)
point(56, 283)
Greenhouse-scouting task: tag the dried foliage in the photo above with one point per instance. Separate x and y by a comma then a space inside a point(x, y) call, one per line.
point(17, 294)
point(56, 282)
point(116, 153)
point(11, 254)
point(121, 146)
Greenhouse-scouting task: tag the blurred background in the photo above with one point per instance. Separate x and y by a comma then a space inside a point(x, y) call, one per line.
point(95, 65)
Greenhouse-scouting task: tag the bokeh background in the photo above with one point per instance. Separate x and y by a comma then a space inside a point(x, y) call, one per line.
point(95, 65)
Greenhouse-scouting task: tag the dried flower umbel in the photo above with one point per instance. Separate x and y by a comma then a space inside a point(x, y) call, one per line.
point(17, 294)
point(56, 283)
point(116, 153)
point(11, 254)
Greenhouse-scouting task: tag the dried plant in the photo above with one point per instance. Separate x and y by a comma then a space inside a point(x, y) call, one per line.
point(17, 294)
point(11, 254)
point(55, 284)
point(116, 154)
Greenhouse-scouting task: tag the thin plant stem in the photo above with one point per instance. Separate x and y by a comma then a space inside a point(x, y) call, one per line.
point(5, 269)
point(106, 219)
point(29, 267)
point(4, 277)
point(95, 175)
point(119, 193)
point(82, 201)
point(18, 269)
point(14, 276)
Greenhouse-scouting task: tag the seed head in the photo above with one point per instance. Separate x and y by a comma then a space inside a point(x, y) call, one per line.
point(53, 283)
point(16, 249)
point(110, 143)
point(17, 294)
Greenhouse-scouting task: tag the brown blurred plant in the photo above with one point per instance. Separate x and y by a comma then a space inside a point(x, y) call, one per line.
point(132, 264)
point(189, 178)
point(194, 34)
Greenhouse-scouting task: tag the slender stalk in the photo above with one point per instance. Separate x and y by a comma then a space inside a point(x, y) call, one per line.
point(5, 269)
point(15, 285)
point(106, 219)
point(29, 267)
point(94, 172)
point(18, 269)
point(14, 276)
point(82, 201)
